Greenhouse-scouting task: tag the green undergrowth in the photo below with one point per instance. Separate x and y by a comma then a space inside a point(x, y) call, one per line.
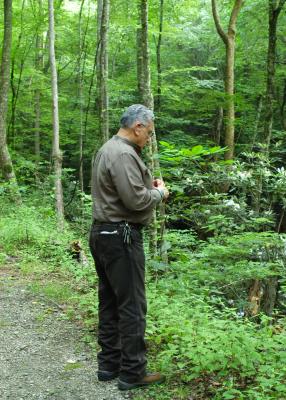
point(31, 243)
point(199, 328)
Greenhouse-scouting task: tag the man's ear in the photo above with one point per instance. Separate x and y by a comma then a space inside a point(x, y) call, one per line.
point(137, 128)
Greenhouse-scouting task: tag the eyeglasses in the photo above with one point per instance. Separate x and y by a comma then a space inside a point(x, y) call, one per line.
point(149, 133)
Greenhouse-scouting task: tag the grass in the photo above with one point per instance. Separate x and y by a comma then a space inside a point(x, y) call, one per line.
point(72, 366)
point(59, 292)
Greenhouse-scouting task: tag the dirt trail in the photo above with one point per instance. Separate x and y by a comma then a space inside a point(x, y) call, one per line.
point(42, 356)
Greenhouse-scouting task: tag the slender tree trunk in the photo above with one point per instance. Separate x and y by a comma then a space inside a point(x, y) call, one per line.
point(145, 77)
point(39, 64)
point(139, 60)
point(102, 68)
point(158, 55)
point(229, 41)
point(80, 98)
point(283, 116)
point(258, 115)
point(5, 159)
point(275, 8)
point(57, 154)
point(90, 91)
point(218, 126)
point(146, 97)
point(229, 90)
point(16, 86)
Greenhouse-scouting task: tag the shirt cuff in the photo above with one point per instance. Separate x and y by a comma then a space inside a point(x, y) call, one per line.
point(161, 192)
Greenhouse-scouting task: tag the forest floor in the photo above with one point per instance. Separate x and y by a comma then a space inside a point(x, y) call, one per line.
point(42, 354)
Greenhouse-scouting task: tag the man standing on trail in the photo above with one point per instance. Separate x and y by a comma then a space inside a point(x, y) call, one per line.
point(124, 196)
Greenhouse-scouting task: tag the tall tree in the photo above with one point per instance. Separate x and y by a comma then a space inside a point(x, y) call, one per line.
point(229, 41)
point(80, 95)
point(39, 61)
point(275, 8)
point(143, 58)
point(5, 159)
point(158, 56)
point(57, 154)
point(102, 67)
point(146, 97)
point(16, 83)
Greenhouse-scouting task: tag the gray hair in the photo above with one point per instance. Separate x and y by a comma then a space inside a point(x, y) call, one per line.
point(136, 112)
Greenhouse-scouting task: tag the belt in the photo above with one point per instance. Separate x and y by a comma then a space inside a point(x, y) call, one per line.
point(133, 225)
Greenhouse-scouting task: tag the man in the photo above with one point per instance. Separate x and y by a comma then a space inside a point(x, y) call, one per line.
point(124, 196)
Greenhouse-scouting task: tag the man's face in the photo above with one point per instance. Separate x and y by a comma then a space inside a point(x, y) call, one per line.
point(143, 133)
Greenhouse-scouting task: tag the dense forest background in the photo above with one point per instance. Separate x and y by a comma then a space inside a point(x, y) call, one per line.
point(215, 73)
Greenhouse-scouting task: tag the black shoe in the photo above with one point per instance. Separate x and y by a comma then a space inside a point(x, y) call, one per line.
point(149, 379)
point(107, 375)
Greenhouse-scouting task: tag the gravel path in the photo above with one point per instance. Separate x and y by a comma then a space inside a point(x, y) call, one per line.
point(42, 355)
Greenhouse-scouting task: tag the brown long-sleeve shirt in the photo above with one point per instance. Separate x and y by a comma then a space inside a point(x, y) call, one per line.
point(122, 185)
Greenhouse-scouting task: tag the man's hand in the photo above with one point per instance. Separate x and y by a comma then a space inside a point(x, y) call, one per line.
point(159, 184)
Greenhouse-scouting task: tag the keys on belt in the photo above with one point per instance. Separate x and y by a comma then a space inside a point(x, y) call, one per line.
point(127, 233)
point(127, 228)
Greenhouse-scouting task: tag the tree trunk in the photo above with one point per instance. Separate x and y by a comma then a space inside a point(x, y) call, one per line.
point(57, 154)
point(218, 126)
point(158, 55)
point(258, 115)
point(283, 116)
point(139, 60)
point(229, 90)
point(254, 298)
point(80, 98)
point(270, 295)
point(39, 61)
point(5, 159)
point(16, 86)
point(275, 8)
point(274, 11)
point(145, 78)
point(229, 41)
point(146, 97)
point(102, 68)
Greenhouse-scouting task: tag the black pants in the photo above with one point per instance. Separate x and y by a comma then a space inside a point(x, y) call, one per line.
point(122, 304)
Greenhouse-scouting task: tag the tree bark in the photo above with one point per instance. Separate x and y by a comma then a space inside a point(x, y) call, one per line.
point(254, 298)
point(258, 115)
point(5, 159)
point(16, 86)
point(146, 98)
point(102, 68)
point(270, 295)
point(283, 116)
point(218, 126)
point(39, 64)
point(80, 98)
point(158, 56)
point(145, 77)
point(139, 60)
point(57, 154)
point(229, 40)
point(275, 8)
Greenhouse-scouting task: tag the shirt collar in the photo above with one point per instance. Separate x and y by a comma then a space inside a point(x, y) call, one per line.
point(134, 145)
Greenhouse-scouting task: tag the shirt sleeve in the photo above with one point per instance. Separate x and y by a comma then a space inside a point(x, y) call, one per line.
point(127, 178)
